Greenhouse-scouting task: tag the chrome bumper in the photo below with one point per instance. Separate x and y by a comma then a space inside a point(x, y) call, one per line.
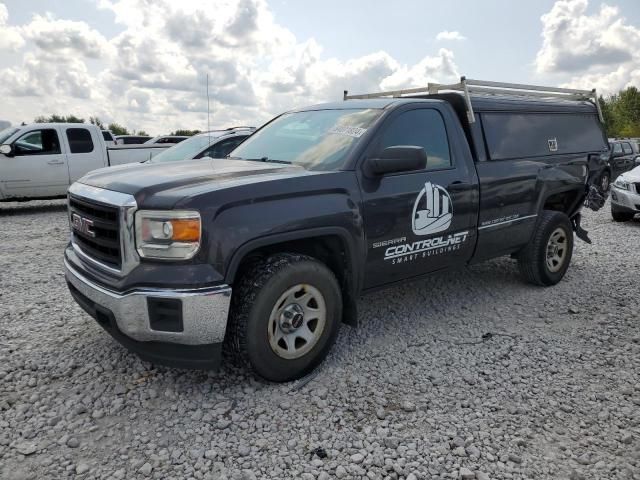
point(625, 198)
point(204, 311)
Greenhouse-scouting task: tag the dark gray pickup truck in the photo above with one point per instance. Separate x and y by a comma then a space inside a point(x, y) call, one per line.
point(265, 253)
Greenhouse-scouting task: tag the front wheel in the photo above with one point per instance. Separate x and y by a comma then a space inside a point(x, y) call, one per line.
point(285, 316)
point(621, 216)
point(545, 260)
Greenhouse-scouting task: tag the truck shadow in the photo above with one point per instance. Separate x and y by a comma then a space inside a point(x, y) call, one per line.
point(33, 207)
point(432, 305)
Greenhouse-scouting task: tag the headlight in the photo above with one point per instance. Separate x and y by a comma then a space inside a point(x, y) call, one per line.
point(171, 234)
point(622, 184)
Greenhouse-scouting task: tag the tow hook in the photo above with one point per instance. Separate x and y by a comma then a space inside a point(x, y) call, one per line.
point(581, 233)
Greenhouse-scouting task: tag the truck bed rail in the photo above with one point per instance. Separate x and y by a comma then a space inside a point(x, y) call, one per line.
point(469, 87)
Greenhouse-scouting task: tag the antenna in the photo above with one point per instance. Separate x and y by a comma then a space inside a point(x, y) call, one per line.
point(208, 114)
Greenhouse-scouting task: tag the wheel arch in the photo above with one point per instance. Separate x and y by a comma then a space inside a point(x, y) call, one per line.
point(567, 201)
point(334, 246)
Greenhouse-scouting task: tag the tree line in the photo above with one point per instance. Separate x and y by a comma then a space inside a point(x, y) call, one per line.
point(114, 127)
point(621, 113)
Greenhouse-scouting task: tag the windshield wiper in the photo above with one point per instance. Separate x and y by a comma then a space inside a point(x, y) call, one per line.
point(262, 159)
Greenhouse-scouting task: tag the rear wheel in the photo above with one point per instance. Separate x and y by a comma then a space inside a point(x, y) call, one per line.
point(545, 260)
point(286, 312)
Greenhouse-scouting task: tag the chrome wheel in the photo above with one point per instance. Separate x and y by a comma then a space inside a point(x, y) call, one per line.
point(297, 321)
point(557, 248)
point(604, 182)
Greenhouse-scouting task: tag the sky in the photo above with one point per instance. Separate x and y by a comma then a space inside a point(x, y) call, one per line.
point(144, 63)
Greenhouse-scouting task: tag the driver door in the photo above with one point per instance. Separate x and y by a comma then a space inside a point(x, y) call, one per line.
point(38, 167)
point(422, 221)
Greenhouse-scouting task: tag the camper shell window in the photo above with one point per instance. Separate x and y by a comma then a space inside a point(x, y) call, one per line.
point(523, 135)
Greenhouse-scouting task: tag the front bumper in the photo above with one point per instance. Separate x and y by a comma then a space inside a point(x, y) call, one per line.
point(625, 200)
point(181, 328)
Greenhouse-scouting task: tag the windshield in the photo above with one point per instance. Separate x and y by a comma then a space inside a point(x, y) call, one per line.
point(6, 133)
point(315, 140)
point(184, 150)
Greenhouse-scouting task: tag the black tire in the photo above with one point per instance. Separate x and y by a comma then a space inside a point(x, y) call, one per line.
point(621, 216)
point(255, 297)
point(532, 260)
point(604, 184)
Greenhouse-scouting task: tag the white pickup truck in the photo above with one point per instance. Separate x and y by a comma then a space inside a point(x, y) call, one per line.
point(41, 160)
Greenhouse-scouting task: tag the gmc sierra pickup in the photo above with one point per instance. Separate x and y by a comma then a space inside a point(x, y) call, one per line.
point(267, 251)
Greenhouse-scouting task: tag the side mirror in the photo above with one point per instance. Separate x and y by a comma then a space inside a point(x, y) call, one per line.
point(397, 159)
point(7, 150)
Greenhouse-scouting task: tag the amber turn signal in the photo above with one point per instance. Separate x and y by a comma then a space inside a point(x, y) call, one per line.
point(186, 230)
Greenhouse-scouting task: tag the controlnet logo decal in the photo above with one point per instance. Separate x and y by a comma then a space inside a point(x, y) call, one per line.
point(425, 248)
point(433, 211)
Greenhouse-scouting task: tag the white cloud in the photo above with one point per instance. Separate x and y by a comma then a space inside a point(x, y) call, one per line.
point(440, 68)
point(152, 74)
point(10, 37)
point(66, 37)
point(596, 50)
point(447, 35)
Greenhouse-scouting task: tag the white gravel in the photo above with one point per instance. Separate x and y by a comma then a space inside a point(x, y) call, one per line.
point(415, 393)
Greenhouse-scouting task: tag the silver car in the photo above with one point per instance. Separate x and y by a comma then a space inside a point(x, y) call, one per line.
point(625, 196)
point(214, 144)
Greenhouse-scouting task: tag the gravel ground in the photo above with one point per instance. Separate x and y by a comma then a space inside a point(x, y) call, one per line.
point(552, 391)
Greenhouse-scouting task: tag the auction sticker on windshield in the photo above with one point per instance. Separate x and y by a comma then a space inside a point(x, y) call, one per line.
point(355, 132)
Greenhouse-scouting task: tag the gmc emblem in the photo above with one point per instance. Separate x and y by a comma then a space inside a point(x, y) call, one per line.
point(82, 225)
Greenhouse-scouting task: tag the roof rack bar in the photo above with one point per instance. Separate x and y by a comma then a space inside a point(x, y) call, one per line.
point(388, 93)
point(522, 86)
point(469, 87)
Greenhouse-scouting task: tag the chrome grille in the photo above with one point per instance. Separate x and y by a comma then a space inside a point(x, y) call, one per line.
point(104, 233)
point(103, 244)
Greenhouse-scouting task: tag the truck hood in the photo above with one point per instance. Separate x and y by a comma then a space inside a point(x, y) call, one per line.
point(186, 178)
point(173, 176)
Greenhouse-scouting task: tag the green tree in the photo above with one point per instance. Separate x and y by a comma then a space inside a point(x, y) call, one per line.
point(118, 129)
point(143, 133)
point(185, 133)
point(59, 119)
point(621, 113)
point(96, 121)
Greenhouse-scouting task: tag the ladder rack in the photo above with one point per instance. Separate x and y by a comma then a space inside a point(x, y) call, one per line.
point(469, 87)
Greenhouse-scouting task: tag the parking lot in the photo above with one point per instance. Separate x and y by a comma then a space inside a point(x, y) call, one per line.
point(469, 374)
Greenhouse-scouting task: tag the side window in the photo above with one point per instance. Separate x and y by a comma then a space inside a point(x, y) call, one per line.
point(79, 140)
point(223, 148)
point(626, 148)
point(107, 136)
point(617, 148)
point(38, 142)
point(423, 128)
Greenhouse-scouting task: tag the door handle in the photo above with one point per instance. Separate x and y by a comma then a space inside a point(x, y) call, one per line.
point(457, 186)
point(55, 162)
